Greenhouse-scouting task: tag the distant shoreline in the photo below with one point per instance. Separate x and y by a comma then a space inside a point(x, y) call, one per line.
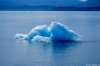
point(48, 8)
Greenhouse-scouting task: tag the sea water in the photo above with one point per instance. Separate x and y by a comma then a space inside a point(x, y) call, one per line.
point(16, 53)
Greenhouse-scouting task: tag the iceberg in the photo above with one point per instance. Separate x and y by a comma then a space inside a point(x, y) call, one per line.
point(54, 32)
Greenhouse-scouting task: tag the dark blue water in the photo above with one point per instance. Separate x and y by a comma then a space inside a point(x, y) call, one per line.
point(16, 53)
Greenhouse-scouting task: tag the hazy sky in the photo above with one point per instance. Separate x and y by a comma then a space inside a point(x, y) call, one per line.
point(52, 2)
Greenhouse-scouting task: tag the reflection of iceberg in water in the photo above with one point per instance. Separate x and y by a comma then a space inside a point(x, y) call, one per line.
point(54, 32)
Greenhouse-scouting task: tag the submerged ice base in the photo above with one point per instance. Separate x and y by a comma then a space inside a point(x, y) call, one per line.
point(54, 32)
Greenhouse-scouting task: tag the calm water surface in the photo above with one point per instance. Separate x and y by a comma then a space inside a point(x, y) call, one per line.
point(14, 53)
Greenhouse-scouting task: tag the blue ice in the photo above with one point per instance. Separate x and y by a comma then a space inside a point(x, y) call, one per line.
point(54, 32)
